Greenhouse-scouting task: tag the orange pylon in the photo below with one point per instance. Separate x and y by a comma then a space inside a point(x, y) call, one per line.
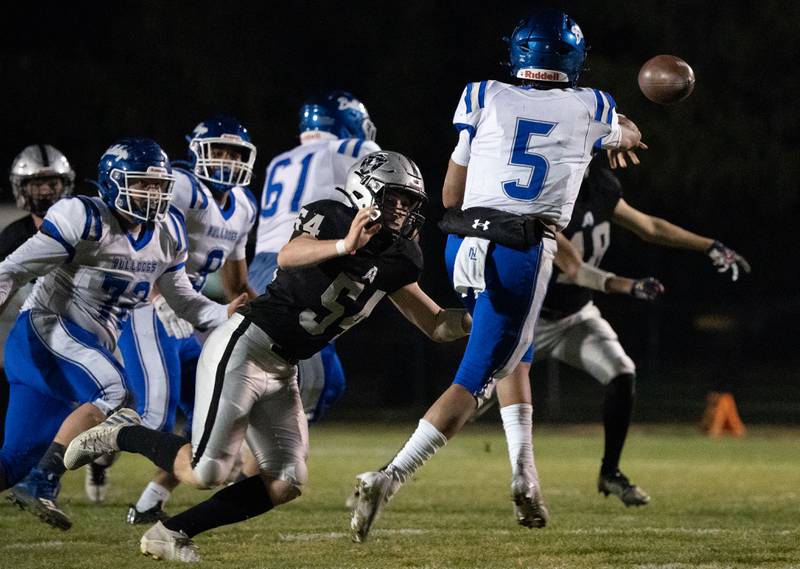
point(721, 416)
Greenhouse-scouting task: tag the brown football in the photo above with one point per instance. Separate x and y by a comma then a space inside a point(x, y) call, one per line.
point(666, 79)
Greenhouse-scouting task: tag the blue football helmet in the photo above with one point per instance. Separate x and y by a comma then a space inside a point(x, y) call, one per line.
point(339, 113)
point(134, 177)
point(547, 47)
point(221, 153)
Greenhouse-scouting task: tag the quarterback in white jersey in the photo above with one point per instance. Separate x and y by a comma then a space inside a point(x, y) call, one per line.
point(97, 259)
point(335, 132)
point(159, 348)
point(512, 180)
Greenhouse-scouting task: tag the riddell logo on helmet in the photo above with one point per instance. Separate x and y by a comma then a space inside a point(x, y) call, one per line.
point(542, 75)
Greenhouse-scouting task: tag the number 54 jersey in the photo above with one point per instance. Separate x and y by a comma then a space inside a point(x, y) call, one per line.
point(526, 149)
point(303, 309)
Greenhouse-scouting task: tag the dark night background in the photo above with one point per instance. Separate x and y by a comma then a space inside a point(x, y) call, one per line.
point(723, 163)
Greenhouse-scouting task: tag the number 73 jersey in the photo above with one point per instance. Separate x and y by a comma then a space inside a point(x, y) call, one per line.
point(526, 149)
point(304, 309)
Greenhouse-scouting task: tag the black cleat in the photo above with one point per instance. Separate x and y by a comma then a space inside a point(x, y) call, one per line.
point(151, 516)
point(618, 484)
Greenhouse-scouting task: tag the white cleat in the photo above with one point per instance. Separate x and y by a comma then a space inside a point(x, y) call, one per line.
point(529, 507)
point(372, 492)
point(99, 440)
point(161, 543)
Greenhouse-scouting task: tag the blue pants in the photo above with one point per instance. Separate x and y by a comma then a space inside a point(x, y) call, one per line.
point(160, 368)
point(53, 365)
point(262, 271)
point(504, 312)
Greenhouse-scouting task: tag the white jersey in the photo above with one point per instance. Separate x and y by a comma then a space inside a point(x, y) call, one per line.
point(305, 174)
point(526, 149)
point(93, 272)
point(215, 233)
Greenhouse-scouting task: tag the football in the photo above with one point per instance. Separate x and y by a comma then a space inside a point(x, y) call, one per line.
point(666, 79)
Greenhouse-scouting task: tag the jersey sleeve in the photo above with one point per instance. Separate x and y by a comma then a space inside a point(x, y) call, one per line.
point(604, 129)
point(412, 267)
point(324, 219)
point(246, 198)
point(466, 119)
point(179, 241)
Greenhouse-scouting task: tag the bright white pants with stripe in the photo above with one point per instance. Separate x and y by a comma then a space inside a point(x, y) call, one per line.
point(245, 390)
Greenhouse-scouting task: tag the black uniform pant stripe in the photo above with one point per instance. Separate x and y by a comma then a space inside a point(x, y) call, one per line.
point(219, 380)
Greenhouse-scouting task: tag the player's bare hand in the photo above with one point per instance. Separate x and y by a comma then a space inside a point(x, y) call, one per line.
point(362, 229)
point(237, 303)
point(617, 158)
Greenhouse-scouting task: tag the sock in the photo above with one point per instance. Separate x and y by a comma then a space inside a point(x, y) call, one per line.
point(153, 495)
point(422, 445)
point(617, 411)
point(234, 503)
point(518, 425)
point(53, 460)
point(161, 448)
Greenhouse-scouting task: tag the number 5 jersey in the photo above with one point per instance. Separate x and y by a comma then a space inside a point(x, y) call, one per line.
point(527, 148)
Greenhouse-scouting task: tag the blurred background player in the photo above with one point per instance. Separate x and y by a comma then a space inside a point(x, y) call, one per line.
point(247, 377)
point(159, 347)
point(513, 179)
point(335, 132)
point(571, 328)
point(97, 258)
point(40, 175)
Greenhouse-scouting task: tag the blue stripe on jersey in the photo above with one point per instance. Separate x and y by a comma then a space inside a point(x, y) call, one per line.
point(482, 94)
point(179, 221)
point(343, 147)
point(600, 105)
point(357, 148)
point(468, 98)
point(468, 127)
point(92, 220)
point(140, 241)
point(611, 108)
point(253, 202)
point(229, 207)
point(174, 268)
point(52, 231)
point(179, 246)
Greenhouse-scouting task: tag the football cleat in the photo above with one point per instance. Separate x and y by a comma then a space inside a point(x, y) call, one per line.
point(151, 516)
point(529, 507)
point(619, 485)
point(37, 493)
point(161, 543)
point(95, 482)
point(372, 492)
point(99, 440)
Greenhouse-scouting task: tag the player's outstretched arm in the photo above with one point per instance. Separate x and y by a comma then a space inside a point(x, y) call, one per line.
point(36, 257)
point(455, 182)
point(661, 232)
point(307, 251)
point(191, 305)
point(439, 324)
point(630, 141)
point(569, 261)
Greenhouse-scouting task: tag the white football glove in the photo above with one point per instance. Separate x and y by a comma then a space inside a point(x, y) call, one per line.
point(724, 258)
point(174, 325)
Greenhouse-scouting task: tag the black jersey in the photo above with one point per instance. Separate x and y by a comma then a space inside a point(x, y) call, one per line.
point(15, 234)
point(589, 231)
point(304, 309)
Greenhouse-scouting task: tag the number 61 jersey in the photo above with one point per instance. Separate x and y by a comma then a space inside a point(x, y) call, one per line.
point(526, 149)
point(304, 309)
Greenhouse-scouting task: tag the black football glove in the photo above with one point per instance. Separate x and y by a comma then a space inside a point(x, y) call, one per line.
point(648, 288)
point(724, 258)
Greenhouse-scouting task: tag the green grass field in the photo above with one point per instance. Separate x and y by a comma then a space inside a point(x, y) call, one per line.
point(716, 503)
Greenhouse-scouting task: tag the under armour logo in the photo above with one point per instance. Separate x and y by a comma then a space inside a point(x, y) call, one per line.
point(588, 219)
point(473, 254)
point(370, 275)
point(200, 129)
point(119, 151)
point(484, 225)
